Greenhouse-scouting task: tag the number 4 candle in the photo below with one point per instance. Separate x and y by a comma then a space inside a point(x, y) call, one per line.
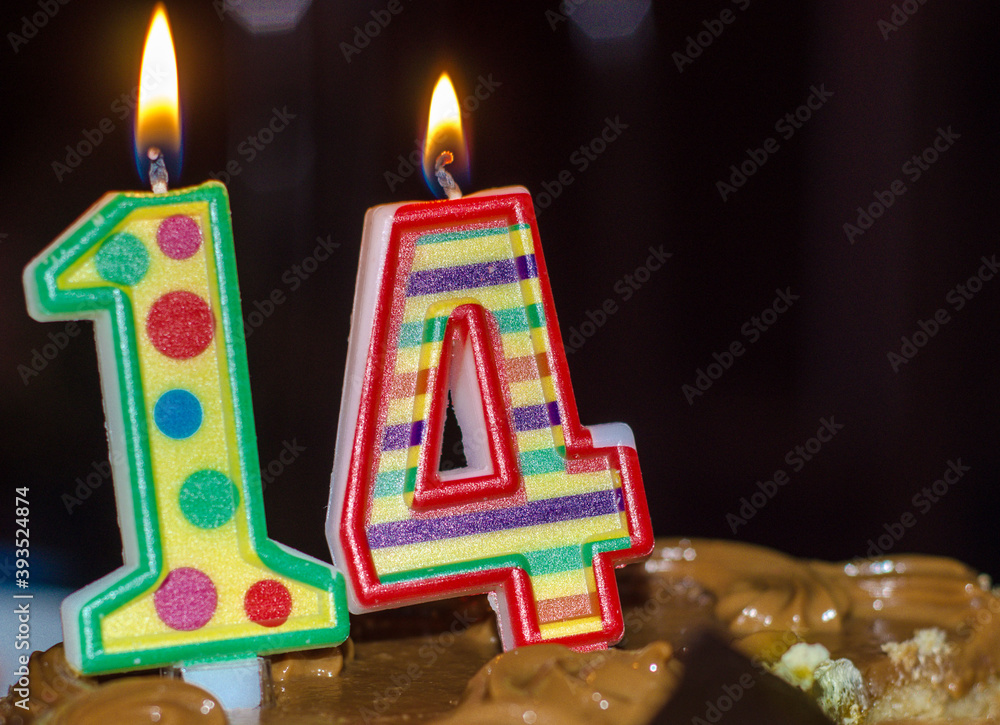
point(201, 581)
point(453, 304)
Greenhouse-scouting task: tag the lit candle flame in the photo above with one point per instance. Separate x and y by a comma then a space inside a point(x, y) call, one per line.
point(444, 134)
point(157, 123)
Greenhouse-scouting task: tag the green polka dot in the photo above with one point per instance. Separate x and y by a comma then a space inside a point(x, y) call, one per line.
point(122, 259)
point(208, 499)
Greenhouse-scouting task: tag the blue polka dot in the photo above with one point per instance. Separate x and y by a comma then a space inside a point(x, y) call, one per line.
point(177, 414)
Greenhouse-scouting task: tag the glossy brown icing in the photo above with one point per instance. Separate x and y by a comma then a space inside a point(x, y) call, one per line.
point(442, 664)
point(766, 600)
point(52, 681)
point(140, 700)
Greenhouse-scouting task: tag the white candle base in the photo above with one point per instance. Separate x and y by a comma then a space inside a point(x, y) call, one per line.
point(236, 684)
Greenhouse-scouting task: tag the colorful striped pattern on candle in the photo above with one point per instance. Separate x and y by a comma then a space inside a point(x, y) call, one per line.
point(565, 509)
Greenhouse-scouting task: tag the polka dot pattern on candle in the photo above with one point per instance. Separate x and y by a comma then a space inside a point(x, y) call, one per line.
point(178, 236)
point(268, 603)
point(186, 599)
point(122, 259)
point(156, 273)
point(180, 325)
point(208, 499)
point(178, 414)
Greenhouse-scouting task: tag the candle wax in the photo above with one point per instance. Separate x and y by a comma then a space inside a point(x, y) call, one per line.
point(201, 581)
point(453, 304)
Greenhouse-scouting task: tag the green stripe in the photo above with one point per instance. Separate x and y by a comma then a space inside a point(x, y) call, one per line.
point(519, 319)
point(536, 318)
point(469, 234)
point(389, 483)
point(541, 461)
point(411, 333)
point(410, 480)
point(434, 329)
point(536, 563)
point(510, 319)
point(533, 463)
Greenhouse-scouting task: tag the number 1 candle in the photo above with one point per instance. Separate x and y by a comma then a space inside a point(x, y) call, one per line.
point(201, 581)
point(453, 303)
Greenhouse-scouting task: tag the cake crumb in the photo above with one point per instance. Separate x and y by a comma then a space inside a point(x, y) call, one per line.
point(836, 685)
point(799, 664)
point(925, 655)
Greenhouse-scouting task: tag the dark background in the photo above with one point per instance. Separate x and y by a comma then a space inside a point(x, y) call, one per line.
point(553, 89)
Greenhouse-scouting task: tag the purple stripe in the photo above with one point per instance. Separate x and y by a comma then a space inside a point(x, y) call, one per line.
point(526, 266)
point(471, 276)
point(531, 417)
point(554, 418)
point(402, 435)
point(564, 508)
point(396, 437)
point(417, 433)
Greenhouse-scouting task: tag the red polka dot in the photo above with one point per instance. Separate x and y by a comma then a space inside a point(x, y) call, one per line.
point(178, 236)
point(186, 599)
point(268, 603)
point(180, 325)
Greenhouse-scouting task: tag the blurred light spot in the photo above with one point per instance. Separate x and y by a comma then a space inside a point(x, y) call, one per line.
point(602, 19)
point(262, 17)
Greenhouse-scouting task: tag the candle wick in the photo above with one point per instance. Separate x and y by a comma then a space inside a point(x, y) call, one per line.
point(157, 170)
point(447, 181)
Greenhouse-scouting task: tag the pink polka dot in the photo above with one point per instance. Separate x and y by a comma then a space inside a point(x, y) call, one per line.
point(268, 603)
point(180, 325)
point(179, 236)
point(186, 599)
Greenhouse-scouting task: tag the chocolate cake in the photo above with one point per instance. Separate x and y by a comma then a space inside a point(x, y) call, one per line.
point(712, 628)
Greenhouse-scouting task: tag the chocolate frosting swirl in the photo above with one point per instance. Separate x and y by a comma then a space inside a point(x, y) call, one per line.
point(404, 667)
point(137, 700)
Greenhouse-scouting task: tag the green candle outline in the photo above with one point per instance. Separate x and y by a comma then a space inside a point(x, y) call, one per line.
point(111, 310)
